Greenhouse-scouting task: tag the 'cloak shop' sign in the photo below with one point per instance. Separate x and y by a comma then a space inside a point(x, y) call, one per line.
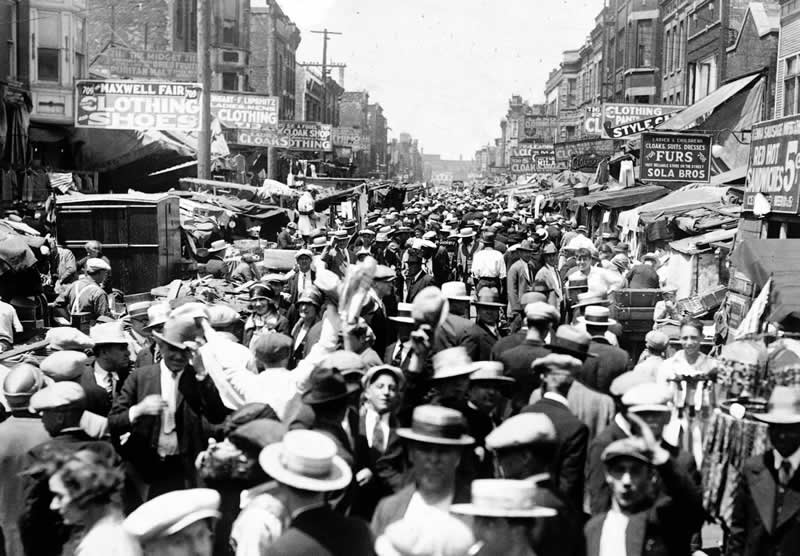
point(675, 157)
point(774, 169)
point(291, 135)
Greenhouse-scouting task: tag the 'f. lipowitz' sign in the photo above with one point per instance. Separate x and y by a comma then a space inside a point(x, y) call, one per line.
point(138, 105)
point(244, 111)
point(675, 157)
point(291, 135)
point(774, 169)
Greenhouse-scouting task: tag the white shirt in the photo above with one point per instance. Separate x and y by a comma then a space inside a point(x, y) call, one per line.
point(274, 387)
point(488, 263)
point(556, 397)
point(304, 281)
point(418, 508)
point(793, 459)
point(612, 537)
point(9, 322)
point(372, 419)
point(101, 377)
point(168, 435)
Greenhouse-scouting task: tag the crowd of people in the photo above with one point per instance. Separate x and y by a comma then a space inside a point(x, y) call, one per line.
point(446, 380)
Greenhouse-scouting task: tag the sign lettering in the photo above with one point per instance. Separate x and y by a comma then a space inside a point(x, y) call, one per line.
point(773, 168)
point(675, 157)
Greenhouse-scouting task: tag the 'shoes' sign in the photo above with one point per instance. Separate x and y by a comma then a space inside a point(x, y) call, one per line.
point(295, 136)
point(240, 111)
point(138, 105)
point(675, 157)
point(774, 169)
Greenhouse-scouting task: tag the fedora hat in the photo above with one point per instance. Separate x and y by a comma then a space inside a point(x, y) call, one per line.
point(783, 407)
point(179, 332)
point(595, 315)
point(327, 385)
point(319, 242)
point(108, 333)
point(569, 340)
point(587, 299)
point(503, 498)
point(456, 291)
point(306, 460)
point(490, 373)
point(488, 297)
point(403, 314)
point(452, 362)
point(157, 314)
point(218, 245)
point(433, 424)
point(138, 309)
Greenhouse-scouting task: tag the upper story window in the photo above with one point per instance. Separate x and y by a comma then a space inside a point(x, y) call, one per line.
point(48, 43)
point(230, 22)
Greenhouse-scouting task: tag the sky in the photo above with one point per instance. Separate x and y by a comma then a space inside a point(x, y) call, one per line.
point(444, 70)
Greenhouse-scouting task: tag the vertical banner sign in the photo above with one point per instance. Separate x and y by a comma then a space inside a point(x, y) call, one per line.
point(774, 169)
point(243, 111)
point(138, 105)
point(675, 157)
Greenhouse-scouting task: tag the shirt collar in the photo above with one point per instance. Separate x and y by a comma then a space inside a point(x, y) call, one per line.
point(794, 459)
point(166, 370)
point(622, 423)
point(556, 397)
point(100, 370)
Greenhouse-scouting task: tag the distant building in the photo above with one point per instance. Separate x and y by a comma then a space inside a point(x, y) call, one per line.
point(378, 136)
point(561, 94)
point(675, 18)
point(311, 102)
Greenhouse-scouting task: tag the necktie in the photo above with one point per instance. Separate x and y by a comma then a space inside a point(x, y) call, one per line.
point(377, 436)
point(398, 355)
point(785, 472)
point(110, 385)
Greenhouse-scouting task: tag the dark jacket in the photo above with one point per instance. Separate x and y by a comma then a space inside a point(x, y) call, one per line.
point(561, 535)
point(517, 364)
point(97, 400)
point(196, 401)
point(321, 531)
point(599, 491)
point(642, 276)
point(421, 282)
point(482, 340)
point(440, 263)
point(507, 342)
point(609, 362)
point(666, 527)
point(757, 527)
point(570, 460)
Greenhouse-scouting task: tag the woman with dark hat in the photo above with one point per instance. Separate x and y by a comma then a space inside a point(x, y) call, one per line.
point(308, 305)
point(265, 317)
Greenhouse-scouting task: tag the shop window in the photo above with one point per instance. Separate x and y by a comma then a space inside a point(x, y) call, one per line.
point(230, 81)
point(48, 59)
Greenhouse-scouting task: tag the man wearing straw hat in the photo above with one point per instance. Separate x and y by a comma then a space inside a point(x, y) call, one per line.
point(435, 442)
point(503, 512)
point(766, 507)
point(306, 468)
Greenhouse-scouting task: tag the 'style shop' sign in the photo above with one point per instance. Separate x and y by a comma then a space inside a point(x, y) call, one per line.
point(138, 105)
point(774, 169)
point(675, 157)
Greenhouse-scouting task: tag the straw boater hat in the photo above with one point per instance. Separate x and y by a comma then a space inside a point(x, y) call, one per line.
point(304, 253)
point(488, 297)
point(456, 291)
point(503, 498)
point(783, 407)
point(139, 309)
point(452, 362)
point(306, 460)
point(433, 424)
point(595, 315)
point(587, 299)
point(466, 232)
point(108, 333)
point(172, 512)
point(319, 242)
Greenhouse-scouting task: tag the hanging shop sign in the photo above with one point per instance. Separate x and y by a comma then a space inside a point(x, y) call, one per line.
point(350, 138)
point(290, 135)
point(244, 111)
point(120, 61)
point(675, 157)
point(619, 120)
point(774, 169)
point(138, 105)
point(583, 154)
point(532, 159)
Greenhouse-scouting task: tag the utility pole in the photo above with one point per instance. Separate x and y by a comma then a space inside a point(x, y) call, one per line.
point(272, 87)
point(325, 38)
point(204, 76)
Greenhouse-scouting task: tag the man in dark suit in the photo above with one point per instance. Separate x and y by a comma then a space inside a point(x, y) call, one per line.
point(525, 446)
point(338, 257)
point(103, 379)
point(514, 339)
point(558, 372)
point(485, 332)
point(644, 275)
point(540, 318)
point(302, 279)
point(609, 361)
point(166, 425)
point(766, 507)
point(644, 520)
point(306, 468)
point(649, 401)
point(285, 239)
point(416, 278)
point(435, 442)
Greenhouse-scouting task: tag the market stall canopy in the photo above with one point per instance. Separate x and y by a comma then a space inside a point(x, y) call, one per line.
point(675, 203)
point(761, 258)
point(704, 242)
point(628, 197)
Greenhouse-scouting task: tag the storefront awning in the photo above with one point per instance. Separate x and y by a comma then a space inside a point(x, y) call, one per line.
point(621, 198)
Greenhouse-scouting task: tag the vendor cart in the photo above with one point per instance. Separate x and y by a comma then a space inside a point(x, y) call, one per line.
point(633, 309)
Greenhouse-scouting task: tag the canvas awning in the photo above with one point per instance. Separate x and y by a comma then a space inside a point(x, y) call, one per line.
point(697, 244)
point(761, 258)
point(621, 198)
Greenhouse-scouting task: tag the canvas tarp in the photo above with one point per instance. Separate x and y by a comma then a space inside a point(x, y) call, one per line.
point(629, 197)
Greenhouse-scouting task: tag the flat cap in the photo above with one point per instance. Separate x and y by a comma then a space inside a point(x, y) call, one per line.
point(656, 340)
point(255, 435)
point(95, 265)
point(650, 396)
point(169, 513)
point(557, 361)
point(65, 337)
point(271, 347)
point(221, 315)
point(540, 311)
point(345, 362)
point(522, 430)
point(631, 447)
point(60, 395)
point(64, 365)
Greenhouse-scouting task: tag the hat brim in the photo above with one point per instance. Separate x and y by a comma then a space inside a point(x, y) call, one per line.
point(649, 407)
point(150, 326)
point(488, 304)
point(217, 249)
point(193, 517)
point(464, 236)
point(502, 383)
point(587, 303)
point(453, 373)
point(270, 461)
point(402, 320)
point(569, 351)
point(310, 399)
point(778, 418)
point(411, 434)
point(475, 510)
point(160, 337)
point(608, 322)
point(459, 298)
